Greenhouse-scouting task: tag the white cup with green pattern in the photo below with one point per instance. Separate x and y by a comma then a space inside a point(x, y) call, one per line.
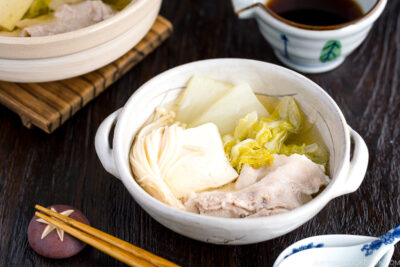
point(306, 48)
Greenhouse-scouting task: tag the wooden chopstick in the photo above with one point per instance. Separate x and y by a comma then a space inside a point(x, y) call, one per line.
point(104, 242)
point(105, 247)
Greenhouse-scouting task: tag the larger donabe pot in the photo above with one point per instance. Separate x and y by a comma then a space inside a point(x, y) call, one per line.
point(264, 78)
point(70, 54)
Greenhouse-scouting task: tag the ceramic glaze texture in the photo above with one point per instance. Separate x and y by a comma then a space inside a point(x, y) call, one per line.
point(66, 55)
point(263, 78)
point(335, 241)
point(64, 67)
point(79, 40)
point(387, 239)
point(310, 245)
point(377, 254)
point(306, 50)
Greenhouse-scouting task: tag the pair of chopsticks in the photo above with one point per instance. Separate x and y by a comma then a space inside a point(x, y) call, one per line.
point(117, 248)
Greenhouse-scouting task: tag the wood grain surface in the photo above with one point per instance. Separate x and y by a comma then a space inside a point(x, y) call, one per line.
point(62, 168)
point(49, 105)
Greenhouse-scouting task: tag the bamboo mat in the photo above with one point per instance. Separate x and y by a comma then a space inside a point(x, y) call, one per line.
point(48, 105)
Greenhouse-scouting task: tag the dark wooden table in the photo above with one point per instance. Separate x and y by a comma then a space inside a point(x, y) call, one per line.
point(62, 168)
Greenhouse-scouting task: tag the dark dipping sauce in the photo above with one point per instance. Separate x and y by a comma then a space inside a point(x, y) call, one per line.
point(316, 12)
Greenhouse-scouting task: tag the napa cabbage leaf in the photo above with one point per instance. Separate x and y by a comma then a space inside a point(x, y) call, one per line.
point(313, 151)
point(117, 4)
point(289, 111)
point(37, 8)
point(254, 140)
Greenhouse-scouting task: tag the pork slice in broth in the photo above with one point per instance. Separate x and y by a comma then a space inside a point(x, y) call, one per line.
point(287, 184)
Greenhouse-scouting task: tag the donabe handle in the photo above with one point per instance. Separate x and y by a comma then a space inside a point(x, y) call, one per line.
point(103, 146)
point(358, 165)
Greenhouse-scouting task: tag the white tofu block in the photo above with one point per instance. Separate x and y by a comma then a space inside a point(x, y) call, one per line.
point(202, 164)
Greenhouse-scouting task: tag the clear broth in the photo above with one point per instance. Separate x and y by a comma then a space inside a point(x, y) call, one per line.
point(309, 133)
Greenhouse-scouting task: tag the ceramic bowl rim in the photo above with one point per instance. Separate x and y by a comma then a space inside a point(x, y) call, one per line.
point(120, 15)
point(141, 196)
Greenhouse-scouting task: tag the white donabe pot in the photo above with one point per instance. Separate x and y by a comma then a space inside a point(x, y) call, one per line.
point(310, 49)
point(264, 78)
point(70, 54)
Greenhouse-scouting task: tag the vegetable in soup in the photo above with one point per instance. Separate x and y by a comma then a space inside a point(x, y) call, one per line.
point(48, 17)
point(218, 151)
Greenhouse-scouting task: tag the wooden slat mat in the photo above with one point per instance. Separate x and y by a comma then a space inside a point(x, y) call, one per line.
point(49, 105)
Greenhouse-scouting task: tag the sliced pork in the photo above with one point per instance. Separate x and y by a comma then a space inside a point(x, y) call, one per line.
point(288, 183)
point(71, 17)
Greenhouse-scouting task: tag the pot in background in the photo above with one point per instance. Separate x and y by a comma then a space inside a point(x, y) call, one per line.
point(71, 54)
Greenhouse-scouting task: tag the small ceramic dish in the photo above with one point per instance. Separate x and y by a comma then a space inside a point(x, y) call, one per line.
point(310, 49)
point(264, 78)
point(333, 241)
point(66, 55)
